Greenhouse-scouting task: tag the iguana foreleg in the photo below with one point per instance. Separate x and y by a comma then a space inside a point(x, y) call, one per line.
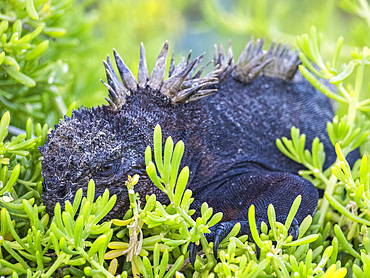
point(260, 188)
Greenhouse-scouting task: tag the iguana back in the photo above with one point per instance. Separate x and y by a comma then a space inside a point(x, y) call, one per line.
point(247, 118)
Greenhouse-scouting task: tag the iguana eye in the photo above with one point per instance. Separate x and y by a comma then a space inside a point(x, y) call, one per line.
point(107, 167)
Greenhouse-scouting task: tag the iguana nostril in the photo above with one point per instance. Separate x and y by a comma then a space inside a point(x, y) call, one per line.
point(61, 191)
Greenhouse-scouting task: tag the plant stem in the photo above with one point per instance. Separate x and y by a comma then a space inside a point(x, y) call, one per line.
point(207, 249)
point(351, 117)
point(169, 193)
point(330, 186)
point(186, 217)
point(320, 175)
point(365, 11)
point(56, 264)
point(93, 263)
point(203, 240)
point(353, 102)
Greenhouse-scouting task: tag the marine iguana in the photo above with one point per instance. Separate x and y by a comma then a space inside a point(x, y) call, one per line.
point(229, 121)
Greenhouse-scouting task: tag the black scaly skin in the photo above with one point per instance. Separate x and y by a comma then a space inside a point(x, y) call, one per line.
point(245, 167)
point(229, 144)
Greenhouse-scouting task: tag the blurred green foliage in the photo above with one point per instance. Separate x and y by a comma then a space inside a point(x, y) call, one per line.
point(51, 51)
point(29, 76)
point(122, 25)
point(73, 37)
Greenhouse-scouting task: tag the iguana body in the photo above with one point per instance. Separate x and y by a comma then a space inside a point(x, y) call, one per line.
point(229, 135)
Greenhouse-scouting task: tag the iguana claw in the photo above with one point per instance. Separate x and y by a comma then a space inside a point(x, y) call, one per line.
point(222, 230)
point(192, 252)
point(294, 229)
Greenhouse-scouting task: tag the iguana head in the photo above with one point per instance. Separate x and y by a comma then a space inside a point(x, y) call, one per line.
point(98, 144)
point(108, 143)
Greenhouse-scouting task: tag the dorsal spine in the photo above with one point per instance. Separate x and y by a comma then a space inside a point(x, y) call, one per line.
point(183, 85)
